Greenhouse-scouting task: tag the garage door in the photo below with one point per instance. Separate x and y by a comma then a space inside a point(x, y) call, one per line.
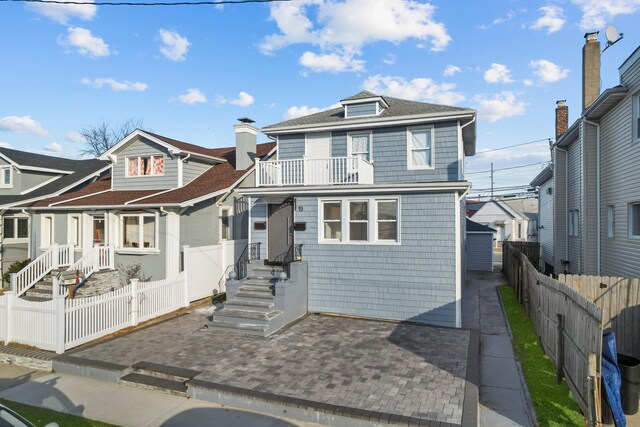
point(479, 252)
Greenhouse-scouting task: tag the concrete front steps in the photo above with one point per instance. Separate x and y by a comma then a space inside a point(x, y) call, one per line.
point(154, 376)
point(98, 283)
point(43, 290)
point(252, 309)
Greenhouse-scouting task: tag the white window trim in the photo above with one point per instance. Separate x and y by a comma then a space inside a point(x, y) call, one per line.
point(2, 169)
point(126, 249)
point(432, 161)
point(611, 221)
point(52, 231)
point(372, 222)
point(350, 135)
point(574, 223)
point(630, 221)
point(70, 240)
point(230, 216)
point(126, 166)
point(16, 239)
point(635, 117)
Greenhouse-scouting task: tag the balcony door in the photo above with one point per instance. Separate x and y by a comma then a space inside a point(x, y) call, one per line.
point(318, 153)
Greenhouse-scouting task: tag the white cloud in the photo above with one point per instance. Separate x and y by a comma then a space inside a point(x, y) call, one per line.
point(22, 124)
point(85, 43)
point(498, 73)
point(5, 145)
point(174, 46)
point(527, 82)
point(243, 100)
point(597, 13)
point(389, 59)
point(499, 20)
point(337, 28)
point(74, 136)
point(303, 110)
point(547, 71)
point(552, 19)
point(115, 85)
point(192, 97)
point(500, 106)
point(54, 147)
point(419, 89)
point(331, 62)
point(451, 70)
point(61, 13)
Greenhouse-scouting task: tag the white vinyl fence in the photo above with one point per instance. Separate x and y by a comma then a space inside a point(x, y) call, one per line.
point(63, 323)
point(207, 266)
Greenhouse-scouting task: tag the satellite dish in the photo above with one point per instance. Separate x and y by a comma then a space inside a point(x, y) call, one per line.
point(613, 36)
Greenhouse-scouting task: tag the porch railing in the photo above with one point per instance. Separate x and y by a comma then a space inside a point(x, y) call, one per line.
point(55, 257)
point(250, 253)
point(96, 259)
point(306, 171)
point(293, 254)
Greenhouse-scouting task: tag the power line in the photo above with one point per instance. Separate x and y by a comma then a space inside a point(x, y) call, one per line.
point(509, 168)
point(484, 151)
point(179, 3)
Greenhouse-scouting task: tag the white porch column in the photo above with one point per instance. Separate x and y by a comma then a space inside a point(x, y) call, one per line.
point(172, 256)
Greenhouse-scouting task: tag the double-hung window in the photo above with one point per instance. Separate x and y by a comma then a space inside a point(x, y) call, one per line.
point(225, 224)
point(359, 220)
point(145, 166)
point(611, 221)
point(6, 176)
point(15, 229)
point(574, 222)
point(139, 231)
point(634, 220)
point(360, 145)
point(420, 147)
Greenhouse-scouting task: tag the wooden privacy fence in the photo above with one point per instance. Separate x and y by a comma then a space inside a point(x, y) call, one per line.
point(568, 324)
point(619, 299)
point(530, 249)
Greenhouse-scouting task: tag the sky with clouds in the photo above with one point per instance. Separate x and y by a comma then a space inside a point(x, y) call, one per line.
point(190, 72)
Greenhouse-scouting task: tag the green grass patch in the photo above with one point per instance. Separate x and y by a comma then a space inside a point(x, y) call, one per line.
point(553, 402)
point(41, 417)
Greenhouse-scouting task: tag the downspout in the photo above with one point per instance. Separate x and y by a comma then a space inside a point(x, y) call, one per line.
point(599, 215)
point(566, 201)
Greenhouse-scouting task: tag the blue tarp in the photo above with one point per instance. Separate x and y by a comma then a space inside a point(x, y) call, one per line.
point(611, 378)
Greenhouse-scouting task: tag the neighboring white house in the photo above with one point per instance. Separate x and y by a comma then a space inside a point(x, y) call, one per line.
point(513, 220)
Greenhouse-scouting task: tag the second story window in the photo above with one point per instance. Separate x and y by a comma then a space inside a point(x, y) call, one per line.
point(420, 148)
point(145, 166)
point(6, 176)
point(360, 145)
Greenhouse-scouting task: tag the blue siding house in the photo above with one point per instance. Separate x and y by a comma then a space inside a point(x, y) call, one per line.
point(374, 192)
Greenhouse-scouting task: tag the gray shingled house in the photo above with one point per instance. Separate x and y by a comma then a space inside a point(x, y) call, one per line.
point(27, 177)
point(373, 191)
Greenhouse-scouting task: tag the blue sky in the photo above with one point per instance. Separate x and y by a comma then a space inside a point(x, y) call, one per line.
point(189, 72)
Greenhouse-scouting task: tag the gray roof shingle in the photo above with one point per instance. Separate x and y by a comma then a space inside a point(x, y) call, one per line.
point(397, 107)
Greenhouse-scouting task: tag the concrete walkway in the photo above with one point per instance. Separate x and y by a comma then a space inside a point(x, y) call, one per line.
point(504, 399)
point(122, 405)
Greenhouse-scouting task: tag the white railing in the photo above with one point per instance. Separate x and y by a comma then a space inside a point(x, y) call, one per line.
point(306, 171)
point(55, 257)
point(96, 259)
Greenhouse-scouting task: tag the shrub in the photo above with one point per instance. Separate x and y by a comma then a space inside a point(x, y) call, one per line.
point(14, 268)
point(132, 271)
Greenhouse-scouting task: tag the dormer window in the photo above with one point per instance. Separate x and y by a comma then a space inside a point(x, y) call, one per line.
point(145, 166)
point(6, 176)
point(364, 107)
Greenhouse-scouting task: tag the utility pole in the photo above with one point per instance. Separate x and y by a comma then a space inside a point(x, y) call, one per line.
point(491, 180)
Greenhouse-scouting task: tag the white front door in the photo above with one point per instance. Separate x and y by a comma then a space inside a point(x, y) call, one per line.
point(318, 153)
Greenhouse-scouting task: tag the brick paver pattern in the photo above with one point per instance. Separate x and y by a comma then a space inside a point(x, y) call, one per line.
point(400, 369)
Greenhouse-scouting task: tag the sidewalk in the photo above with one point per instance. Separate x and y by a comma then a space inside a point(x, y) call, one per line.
point(503, 396)
point(122, 405)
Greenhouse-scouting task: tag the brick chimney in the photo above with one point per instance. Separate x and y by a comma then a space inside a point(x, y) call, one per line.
point(246, 138)
point(590, 69)
point(562, 118)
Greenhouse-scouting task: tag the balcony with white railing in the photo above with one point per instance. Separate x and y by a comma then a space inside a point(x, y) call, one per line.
point(305, 171)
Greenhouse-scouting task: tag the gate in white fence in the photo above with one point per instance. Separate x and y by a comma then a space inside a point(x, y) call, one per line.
point(207, 266)
point(62, 323)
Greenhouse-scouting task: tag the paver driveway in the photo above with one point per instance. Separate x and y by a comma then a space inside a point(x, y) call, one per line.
point(400, 369)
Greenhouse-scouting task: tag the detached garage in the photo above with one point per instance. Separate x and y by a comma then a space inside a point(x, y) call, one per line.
point(479, 247)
